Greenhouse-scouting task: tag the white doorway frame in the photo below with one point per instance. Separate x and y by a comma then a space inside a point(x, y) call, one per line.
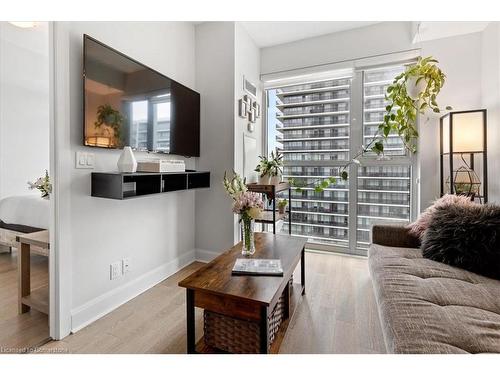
point(60, 252)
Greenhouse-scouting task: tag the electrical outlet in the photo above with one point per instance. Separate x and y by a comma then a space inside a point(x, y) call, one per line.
point(125, 265)
point(115, 270)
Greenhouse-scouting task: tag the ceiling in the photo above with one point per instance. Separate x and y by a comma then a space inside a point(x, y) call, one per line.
point(266, 34)
point(427, 30)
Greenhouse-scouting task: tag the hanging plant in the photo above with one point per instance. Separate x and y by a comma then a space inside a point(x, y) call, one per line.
point(112, 118)
point(412, 92)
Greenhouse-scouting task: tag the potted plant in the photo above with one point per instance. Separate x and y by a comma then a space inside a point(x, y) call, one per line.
point(248, 205)
point(275, 167)
point(263, 170)
point(282, 203)
point(412, 92)
point(42, 184)
point(108, 116)
point(270, 169)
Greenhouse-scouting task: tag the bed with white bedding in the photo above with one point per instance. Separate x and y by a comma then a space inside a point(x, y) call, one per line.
point(22, 214)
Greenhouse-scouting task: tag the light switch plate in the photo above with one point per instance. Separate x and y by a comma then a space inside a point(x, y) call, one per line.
point(90, 160)
point(84, 160)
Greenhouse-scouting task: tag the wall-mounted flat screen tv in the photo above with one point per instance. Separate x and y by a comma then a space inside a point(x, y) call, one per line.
point(129, 104)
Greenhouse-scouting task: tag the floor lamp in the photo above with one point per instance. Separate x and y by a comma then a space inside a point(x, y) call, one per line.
point(463, 154)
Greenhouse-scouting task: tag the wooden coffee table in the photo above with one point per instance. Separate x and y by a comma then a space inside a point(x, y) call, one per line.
point(250, 298)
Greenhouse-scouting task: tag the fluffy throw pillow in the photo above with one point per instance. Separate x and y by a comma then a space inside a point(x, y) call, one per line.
point(419, 226)
point(465, 237)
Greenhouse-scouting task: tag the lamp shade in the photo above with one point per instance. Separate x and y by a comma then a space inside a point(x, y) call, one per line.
point(467, 129)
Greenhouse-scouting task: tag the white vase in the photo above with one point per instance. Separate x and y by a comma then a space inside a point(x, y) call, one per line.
point(126, 162)
point(275, 180)
point(264, 180)
point(413, 89)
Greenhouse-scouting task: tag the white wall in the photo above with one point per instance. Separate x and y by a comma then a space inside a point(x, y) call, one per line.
point(491, 101)
point(224, 54)
point(247, 63)
point(373, 40)
point(459, 57)
point(215, 82)
point(156, 232)
point(24, 106)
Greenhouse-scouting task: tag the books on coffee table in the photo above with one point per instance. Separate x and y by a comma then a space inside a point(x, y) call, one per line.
point(257, 267)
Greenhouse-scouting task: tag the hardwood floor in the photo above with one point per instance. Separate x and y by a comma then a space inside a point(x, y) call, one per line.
point(337, 315)
point(19, 332)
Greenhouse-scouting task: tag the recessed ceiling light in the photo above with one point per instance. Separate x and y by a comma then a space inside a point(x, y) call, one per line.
point(24, 25)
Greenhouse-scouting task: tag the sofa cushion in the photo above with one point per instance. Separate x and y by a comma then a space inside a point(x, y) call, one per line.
point(430, 307)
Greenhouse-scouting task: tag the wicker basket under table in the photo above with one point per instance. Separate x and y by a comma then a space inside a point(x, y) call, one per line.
point(238, 335)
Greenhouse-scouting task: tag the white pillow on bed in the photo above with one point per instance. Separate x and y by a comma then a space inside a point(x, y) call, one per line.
point(30, 210)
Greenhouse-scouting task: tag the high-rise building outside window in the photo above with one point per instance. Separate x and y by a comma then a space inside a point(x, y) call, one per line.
point(318, 125)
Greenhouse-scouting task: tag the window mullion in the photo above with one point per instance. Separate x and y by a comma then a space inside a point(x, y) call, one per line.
point(356, 136)
point(385, 185)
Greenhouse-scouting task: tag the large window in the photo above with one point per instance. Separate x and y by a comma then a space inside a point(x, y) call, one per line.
point(319, 126)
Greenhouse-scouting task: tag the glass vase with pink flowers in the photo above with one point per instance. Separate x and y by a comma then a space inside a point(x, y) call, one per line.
point(247, 205)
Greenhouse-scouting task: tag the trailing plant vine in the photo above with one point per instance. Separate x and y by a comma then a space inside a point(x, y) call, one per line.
point(402, 109)
point(400, 115)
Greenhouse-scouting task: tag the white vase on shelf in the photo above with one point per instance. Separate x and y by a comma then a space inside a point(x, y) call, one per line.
point(264, 180)
point(127, 162)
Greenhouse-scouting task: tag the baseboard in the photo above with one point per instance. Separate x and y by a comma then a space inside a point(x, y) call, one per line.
point(205, 255)
point(104, 304)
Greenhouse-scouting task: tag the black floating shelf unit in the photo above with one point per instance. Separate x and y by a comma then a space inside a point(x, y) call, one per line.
point(132, 185)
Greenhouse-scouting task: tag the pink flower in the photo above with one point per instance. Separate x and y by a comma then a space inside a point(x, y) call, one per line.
point(247, 200)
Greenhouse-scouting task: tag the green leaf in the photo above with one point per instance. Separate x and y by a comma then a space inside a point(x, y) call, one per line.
point(378, 147)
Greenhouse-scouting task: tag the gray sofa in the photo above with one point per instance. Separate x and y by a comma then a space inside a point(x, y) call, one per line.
point(429, 307)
